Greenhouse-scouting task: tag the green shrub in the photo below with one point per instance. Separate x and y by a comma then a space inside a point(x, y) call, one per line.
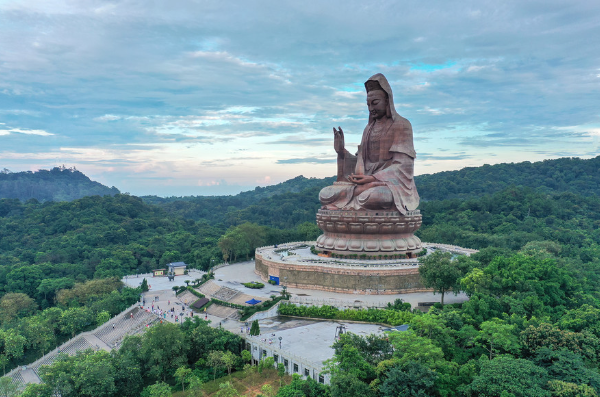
point(198, 294)
point(385, 316)
point(248, 311)
point(254, 285)
point(227, 304)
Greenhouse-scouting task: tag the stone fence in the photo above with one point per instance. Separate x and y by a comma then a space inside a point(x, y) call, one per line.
point(338, 303)
point(269, 313)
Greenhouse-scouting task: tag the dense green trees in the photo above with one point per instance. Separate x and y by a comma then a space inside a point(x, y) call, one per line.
point(26, 333)
point(530, 328)
point(440, 272)
point(573, 175)
point(94, 237)
point(87, 374)
point(531, 323)
point(507, 376)
point(242, 240)
point(410, 379)
point(144, 365)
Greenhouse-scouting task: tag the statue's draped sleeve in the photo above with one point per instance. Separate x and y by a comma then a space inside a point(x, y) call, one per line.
point(346, 165)
point(403, 139)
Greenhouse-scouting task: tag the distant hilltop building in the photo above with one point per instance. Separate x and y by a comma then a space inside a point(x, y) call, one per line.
point(177, 268)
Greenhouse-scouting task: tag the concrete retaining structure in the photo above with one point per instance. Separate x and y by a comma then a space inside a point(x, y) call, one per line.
point(295, 364)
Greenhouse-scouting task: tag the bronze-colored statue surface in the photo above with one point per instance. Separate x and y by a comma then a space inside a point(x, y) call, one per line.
point(381, 175)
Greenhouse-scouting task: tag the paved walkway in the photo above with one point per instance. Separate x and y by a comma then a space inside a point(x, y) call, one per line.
point(162, 283)
point(95, 341)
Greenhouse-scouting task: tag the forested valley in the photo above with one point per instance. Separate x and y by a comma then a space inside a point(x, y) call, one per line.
point(530, 328)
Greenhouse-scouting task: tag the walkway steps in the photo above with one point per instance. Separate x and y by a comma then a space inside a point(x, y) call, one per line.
point(222, 311)
point(226, 294)
point(209, 288)
point(107, 337)
point(115, 330)
point(187, 297)
point(79, 343)
point(243, 298)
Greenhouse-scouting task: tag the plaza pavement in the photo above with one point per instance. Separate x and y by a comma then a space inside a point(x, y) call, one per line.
point(311, 339)
point(161, 283)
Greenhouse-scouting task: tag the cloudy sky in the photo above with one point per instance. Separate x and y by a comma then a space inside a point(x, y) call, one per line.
point(215, 97)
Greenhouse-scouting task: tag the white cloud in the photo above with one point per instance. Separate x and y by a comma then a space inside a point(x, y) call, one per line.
point(25, 132)
point(199, 78)
point(108, 117)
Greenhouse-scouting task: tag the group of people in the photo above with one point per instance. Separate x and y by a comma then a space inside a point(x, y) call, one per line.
point(163, 314)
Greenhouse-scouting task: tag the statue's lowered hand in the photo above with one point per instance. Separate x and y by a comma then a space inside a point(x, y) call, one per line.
point(338, 140)
point(361, 179)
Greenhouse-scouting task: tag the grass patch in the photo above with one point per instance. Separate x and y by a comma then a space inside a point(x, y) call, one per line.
point(248, 383)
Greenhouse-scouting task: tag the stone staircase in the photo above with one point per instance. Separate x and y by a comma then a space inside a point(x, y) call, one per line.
point(226, 294)
point(79, 343)
point(106, 337)
point(223, 312)
point(214, 290)
point(187, 297)
point(242, 298)
point(124, 325)
point(209, 288)
point(18, 380)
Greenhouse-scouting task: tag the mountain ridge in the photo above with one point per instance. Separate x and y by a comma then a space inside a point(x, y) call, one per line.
point(564, 175)
point(56, 184)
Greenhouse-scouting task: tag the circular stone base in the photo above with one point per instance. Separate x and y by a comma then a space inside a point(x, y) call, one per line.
point(369, 233)
point(294, 266)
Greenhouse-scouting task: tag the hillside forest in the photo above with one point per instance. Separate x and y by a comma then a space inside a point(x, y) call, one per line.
point(530, 328)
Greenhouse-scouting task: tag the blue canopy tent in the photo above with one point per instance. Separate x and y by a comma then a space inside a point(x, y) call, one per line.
point(253, 301)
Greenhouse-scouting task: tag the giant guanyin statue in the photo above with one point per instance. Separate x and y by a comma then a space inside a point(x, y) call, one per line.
point(372, 207)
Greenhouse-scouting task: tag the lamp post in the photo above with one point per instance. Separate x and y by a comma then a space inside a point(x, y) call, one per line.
point(284, 287)
point(280, 338)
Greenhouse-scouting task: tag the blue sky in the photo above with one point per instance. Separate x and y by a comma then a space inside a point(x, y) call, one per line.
point(215, 97)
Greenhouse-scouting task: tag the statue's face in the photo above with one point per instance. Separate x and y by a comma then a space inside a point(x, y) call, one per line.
point(377, 103)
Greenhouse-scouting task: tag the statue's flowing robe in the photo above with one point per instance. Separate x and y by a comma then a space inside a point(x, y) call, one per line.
point(396, 172)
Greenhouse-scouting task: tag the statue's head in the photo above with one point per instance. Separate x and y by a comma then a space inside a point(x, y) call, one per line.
point(377, 100)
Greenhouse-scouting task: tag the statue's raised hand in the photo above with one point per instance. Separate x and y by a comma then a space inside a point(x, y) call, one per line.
point(338, 140)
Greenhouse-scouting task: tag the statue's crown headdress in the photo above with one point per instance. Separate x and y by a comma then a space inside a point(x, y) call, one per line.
point(373, 85)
